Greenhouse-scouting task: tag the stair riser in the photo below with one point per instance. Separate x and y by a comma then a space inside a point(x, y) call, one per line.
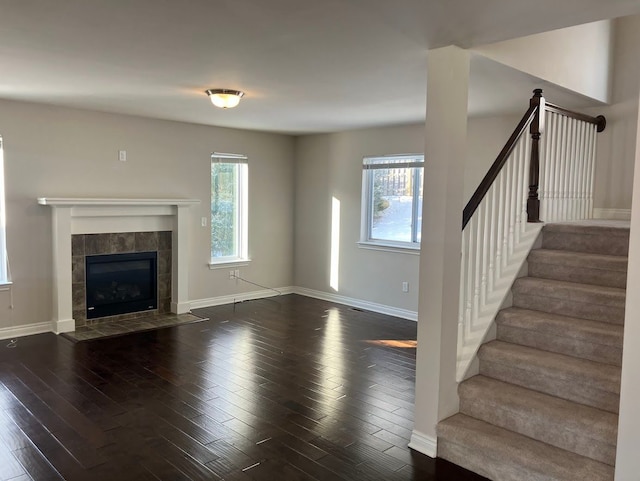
point(540, 429)
point(479, 463)
point(583, 391)
point(561, 345)
point(504, 456)
point(487, 401)
point(613, 314)
point(605, 243)
point(596, 277)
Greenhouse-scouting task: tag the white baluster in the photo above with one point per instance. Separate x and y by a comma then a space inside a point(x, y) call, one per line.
point(518, 187)
point(557, 170)
point(470, 259)
point(508, 247)
point(582, 174)
point(477, 267)
point(500, 226)
point(525, 181)
point(592, 164)
point(492, 237)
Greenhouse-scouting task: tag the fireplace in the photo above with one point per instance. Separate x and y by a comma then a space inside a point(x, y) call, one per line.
point(110, 226)
point(121, 283)
point(148, 253)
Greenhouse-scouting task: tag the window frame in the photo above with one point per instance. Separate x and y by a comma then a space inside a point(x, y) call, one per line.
point(369, 165)
point(241, 218)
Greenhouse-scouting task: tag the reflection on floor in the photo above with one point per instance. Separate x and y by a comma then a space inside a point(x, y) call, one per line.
point(118, 328)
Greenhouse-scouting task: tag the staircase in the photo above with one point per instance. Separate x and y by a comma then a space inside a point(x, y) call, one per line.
point(545, 404)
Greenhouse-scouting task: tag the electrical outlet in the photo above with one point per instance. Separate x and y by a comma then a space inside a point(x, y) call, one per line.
point(203, 222)
point(232, 275)
point(405, 286)
point(236, 274)
point(122, 155)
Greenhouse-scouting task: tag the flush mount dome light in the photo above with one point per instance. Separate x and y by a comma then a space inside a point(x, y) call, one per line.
point(224, 98)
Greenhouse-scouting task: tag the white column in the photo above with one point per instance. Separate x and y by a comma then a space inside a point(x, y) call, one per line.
point(62, 298)
point(445, 151)
point(180, 260)
point(627, 459)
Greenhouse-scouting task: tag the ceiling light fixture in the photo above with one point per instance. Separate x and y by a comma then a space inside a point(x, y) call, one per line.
point(224, 98)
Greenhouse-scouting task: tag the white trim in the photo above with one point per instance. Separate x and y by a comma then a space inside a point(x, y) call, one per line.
point(181, 307)
point(75, 201)
point(612, 214)
point(350, 301)
point(240, 297)
point(96, 216)
point(27, 330)
point(64, 325)
point(379, 246)
point(424, 444)
point(230, 263)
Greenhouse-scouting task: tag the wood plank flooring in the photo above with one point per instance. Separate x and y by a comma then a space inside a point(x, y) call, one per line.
point(288, 388)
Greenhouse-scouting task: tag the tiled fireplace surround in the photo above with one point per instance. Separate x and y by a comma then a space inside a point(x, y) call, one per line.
point(116, 225)
point(83, 245)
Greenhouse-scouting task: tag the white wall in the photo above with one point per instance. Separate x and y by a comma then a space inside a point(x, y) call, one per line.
point(577, 58)
point(627, 460)
point(330, 165)
point(486, 136)
point(623, 151)
point(58, 152)
point(616, 145)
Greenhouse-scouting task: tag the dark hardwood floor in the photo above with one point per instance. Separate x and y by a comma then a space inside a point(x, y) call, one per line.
point(288, 388)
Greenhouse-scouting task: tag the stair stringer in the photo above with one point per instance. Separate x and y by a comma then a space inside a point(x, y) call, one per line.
point(472, 330)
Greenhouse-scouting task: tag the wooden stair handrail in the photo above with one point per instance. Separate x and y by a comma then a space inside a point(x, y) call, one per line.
point(600, 121)
point(535, 122)
point(496, 167)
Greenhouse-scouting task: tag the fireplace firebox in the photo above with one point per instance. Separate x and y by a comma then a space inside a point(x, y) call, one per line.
point(121, 283)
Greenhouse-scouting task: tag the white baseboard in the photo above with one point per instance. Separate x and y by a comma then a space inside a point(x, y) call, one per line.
point(350, 301)
point(180, 307)
point(28, 330)
point(303, 291)
point(66, 325)
point(69, 325)
point(424, 444)
point(612, 214)
point(244, 296)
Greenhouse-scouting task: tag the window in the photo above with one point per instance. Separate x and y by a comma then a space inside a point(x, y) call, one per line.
point(392, 200)
point(229, 196)
point(4, 270)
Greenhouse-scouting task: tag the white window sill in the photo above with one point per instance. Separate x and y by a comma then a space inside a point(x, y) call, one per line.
point(5, 285)
point(388, 247)
point(229, 263)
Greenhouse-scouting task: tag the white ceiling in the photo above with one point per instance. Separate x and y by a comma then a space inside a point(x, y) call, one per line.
point(305, 65)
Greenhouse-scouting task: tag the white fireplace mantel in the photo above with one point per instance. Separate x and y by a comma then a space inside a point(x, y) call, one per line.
point(98, 216)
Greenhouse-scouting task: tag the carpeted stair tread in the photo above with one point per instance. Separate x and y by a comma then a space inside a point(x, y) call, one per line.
point(597, 303)
point(593, 340)
point(503, 455)
point(567, 425)
point(584, 237)
point(586, 382)
point(596, 269)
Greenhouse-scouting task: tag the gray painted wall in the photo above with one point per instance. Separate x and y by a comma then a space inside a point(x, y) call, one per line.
point(59, 152)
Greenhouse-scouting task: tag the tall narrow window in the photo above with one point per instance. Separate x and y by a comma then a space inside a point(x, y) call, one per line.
point(229, 202)
point(392, 200)
point(4, 271)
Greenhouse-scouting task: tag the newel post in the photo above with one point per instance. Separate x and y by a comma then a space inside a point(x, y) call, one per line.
point(536, 129)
